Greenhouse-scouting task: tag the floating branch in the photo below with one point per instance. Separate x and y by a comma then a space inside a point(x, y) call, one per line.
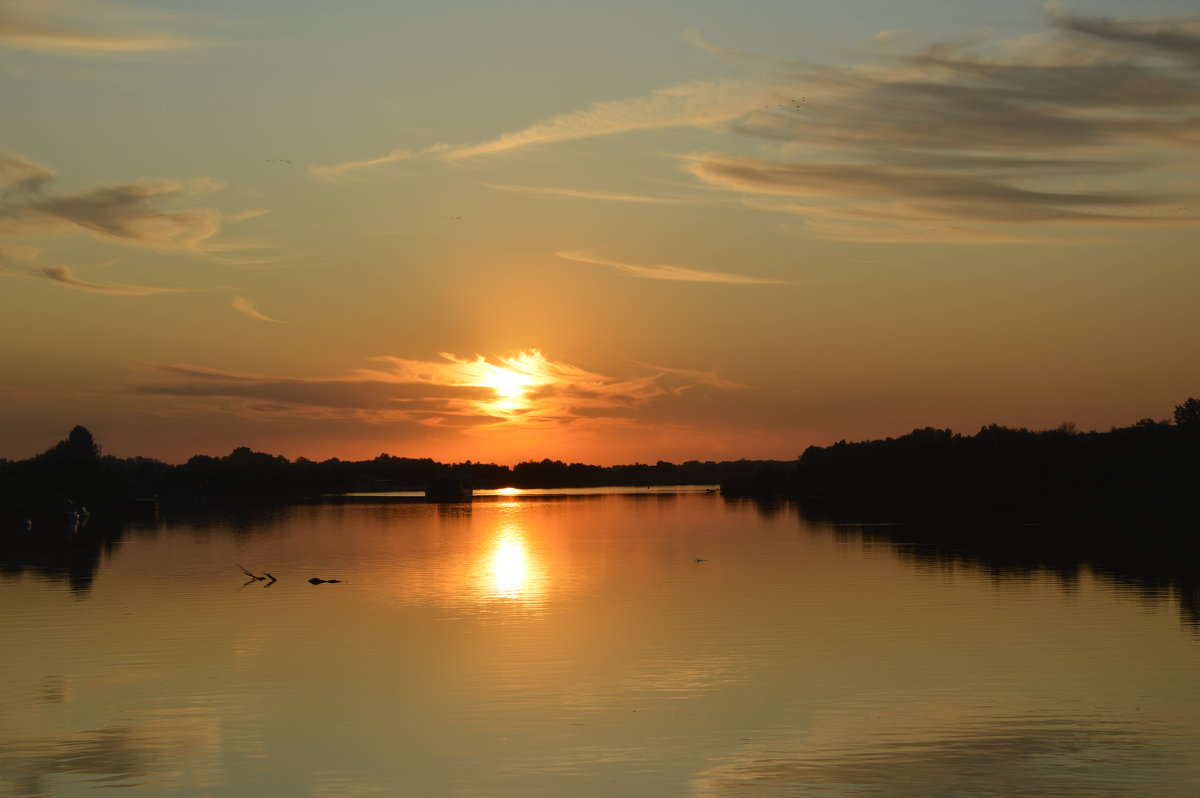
point(253, 577)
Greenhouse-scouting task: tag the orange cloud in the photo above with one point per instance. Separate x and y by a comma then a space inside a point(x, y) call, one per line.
point(525, 391)
point(689, 104)
point(247, 306)
point(23, 262)
point(84, 29)
point(664, 271)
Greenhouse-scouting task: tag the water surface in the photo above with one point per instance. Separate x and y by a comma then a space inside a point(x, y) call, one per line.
point(646, 643)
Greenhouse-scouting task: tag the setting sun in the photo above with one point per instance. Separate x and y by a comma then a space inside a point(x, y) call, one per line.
point(507, 384)
point(511, 381)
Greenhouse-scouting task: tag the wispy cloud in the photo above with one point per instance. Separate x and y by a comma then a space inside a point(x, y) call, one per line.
point(666, 271)
point(250, 308)
point(710, 378)
point(698, 103)
point(1092, 121)
point(1181, 37)
point(24, 263)
point(64, 276)
point(86, 29)
point(141, 214)
point(1095, 122)
point(604, 196)
point(527, 390)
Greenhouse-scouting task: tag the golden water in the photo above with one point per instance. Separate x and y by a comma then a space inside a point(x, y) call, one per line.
point(646, 644)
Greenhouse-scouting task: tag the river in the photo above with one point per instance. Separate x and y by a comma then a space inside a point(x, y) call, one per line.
point(614, 642)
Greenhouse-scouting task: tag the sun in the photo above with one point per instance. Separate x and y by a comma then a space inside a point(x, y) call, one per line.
point(507, 384)
point(512, 381)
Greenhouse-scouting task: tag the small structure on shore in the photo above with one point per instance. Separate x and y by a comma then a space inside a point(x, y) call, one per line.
point(448, 488)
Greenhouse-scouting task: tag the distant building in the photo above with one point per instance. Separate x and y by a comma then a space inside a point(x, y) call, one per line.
point(448, 488)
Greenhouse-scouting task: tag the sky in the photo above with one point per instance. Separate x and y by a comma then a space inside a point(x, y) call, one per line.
point(604, 233)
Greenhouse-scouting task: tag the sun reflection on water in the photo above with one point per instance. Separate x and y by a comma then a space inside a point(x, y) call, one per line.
point(510, 566)
point(512, 572)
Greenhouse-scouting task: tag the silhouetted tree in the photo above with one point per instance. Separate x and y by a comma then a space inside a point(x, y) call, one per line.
point(1188, 413)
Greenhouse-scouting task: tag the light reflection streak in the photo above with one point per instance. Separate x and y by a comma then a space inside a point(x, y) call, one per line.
point(508, 568)
point(510, 565)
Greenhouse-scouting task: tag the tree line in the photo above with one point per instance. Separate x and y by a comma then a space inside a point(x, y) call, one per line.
point(1150, 470)
point(75, 473)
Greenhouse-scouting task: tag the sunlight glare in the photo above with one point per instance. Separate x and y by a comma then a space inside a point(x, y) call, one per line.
point(511, 381)
point(510, 565)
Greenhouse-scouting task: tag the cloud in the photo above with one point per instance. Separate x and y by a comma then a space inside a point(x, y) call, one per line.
point(1095, 122)
point(64, 276)
point(84, 29)
point(1178, 37)
point(524, 391)
point(138, 214)
point(689, 104)
point(667, 272)
point(250, 308)
point(567, 193)
point(18, 173)
point(710, 378)
point(698, 103)
point(24, 263)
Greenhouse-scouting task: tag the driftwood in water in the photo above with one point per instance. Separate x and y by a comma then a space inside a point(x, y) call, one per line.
point(315, 581)
point(256, 578)
point(253, 577)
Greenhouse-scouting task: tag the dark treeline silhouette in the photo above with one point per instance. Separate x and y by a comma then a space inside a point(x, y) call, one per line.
point(73, 474)
point(1149, 471)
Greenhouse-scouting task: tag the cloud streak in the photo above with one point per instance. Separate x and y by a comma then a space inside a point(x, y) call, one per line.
point(689, 104)
point(666, 271)
point(1092, 122)
point(1096, 122)
point(247, 306)
point(84, 29)
point(24, 264)
point(604, 196)
point(524, 391)
point(63, 275)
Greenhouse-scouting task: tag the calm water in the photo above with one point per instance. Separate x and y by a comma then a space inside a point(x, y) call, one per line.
point(655, 644)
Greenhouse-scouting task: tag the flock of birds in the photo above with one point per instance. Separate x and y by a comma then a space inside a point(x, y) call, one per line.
point(795, 104)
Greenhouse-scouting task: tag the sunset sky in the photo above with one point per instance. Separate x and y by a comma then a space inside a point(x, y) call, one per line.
point(607, 233)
